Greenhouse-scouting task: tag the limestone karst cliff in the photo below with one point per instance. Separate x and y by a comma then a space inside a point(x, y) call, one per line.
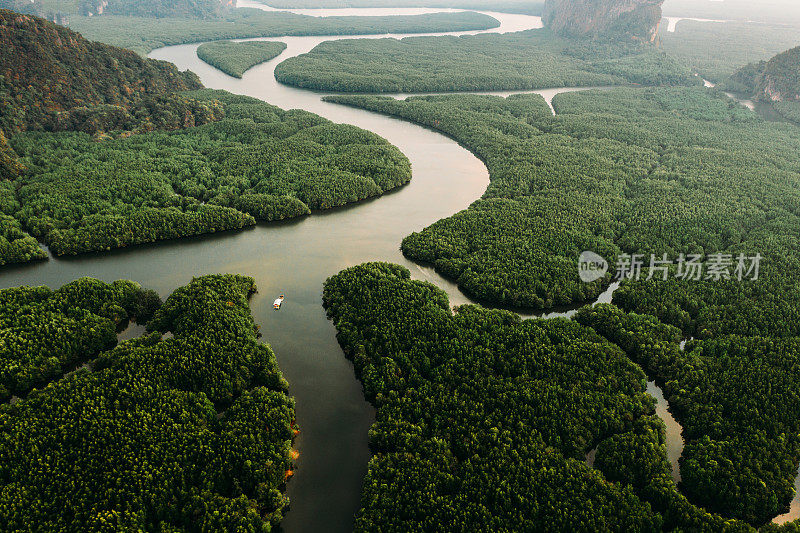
point(633, 19)
point(776, 80)
point(780, 79)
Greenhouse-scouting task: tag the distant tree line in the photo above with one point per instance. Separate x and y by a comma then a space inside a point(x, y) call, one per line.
point(534, 59)
point(146, 34)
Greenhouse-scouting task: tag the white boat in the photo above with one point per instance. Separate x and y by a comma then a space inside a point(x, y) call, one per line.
point(277, 303)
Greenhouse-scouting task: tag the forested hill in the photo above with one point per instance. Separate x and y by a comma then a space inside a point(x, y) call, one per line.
point(52, 78)
point(776, 80)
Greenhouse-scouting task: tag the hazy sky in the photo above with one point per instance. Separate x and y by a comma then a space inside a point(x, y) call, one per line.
point(775, 11)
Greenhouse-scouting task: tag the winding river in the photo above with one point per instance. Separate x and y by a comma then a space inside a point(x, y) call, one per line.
point(296, 257)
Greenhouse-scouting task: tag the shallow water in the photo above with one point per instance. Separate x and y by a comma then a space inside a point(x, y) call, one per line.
point(675, 441)
point(673, 22)
point(764, 109)
point(794, 508)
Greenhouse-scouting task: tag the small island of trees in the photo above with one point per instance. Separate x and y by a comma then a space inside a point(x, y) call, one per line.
point(235, 59)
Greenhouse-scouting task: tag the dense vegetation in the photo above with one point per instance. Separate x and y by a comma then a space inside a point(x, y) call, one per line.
point(642, 171)
point(598, 176)
point(10, 166)
point(54, 79)
point(716, 51)
point(235, 59)
point(737, 400)
point(534, 59)
point(189, 433)
point(146, 34)
point(483, 420)
point(525, 7)
point(788, 110)
point(259, 163)
point(16, 245)
point(45, 332)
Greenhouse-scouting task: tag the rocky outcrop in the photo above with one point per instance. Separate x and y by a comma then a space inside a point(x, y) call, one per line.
point(629, 19)
point(781, 78)
point(776, 80)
